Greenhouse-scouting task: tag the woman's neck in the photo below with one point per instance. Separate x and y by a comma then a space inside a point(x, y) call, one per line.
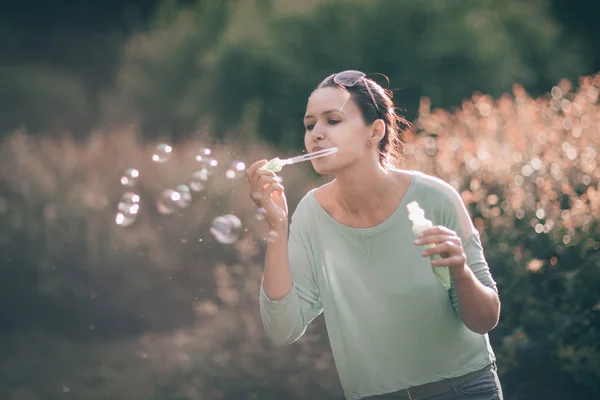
point(362, 190)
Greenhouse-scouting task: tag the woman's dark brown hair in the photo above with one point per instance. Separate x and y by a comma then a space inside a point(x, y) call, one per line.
point(391, 145)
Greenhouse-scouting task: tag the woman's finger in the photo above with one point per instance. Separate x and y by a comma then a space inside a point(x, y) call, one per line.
point(436, 238)
point(261, 192)
point(447, 247)
point(253, 168)
point(263, 182)
point(450, 261)
point(438, 230)
point(274, 187)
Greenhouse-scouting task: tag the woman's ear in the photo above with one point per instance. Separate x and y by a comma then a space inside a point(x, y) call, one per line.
point(377, 131)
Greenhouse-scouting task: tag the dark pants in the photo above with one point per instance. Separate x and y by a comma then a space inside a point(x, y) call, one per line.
point(484, 387)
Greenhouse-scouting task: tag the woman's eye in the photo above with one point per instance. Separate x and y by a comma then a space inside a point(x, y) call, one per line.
point(310, 127)
point(333, 121)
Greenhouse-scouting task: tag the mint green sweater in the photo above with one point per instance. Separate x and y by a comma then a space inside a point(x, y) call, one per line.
point(391, 322)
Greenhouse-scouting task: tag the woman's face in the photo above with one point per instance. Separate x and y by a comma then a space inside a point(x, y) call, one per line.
point(334, 120)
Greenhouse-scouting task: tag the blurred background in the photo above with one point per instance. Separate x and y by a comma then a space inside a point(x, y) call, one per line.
point(130, 254)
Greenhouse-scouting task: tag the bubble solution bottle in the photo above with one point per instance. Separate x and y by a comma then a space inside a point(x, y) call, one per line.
point(420, 224)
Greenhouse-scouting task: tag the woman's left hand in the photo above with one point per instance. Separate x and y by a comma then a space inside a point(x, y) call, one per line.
point(446, 243)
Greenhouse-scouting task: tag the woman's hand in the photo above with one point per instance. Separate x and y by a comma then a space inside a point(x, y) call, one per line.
point(447, 244)
point(268, 193)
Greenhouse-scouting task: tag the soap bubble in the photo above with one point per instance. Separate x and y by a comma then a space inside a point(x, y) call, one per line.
point(272, 237)
point(203, 153)
point(236, 171)
point(207, 164)
point(431, 147)
point(162, 154)
point(129, 201)
point(125, 220)
point(198, 180)
point(226, 228)
point(185, 197)
point(261, 214)
point(205, 160)
point(166, 203)
point(128, 209)
point(129, 177)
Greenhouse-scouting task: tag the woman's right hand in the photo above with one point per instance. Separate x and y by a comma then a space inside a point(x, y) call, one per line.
point(268, 193)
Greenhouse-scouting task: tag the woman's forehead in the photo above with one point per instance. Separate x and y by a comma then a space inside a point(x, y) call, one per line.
point(330, 98)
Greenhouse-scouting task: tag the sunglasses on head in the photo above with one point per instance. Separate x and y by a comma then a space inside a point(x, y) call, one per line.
point(349, 79)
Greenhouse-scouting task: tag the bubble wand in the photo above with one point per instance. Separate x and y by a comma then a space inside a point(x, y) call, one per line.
point(276, 164)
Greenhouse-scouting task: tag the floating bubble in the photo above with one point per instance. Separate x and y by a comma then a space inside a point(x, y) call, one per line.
point(204, 158)
point(128, 208)
point(129, 177)
point(261, 214)
point(226, 228)
point(125, 220)
point(207, 167)
point(236, 171)
point(272, 237)
point(185, 197)
point(162, 154)
point(198, 180)
point(129, 201)
point(431, 147)
point(166, 203)
point(203, 153)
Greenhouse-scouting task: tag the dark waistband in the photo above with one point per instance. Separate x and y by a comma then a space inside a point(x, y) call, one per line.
point(438, 387)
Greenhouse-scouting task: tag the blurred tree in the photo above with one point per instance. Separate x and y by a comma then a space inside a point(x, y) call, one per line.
point(43, 99)
point(81, 40)
point(580, 18)
point(445, 50)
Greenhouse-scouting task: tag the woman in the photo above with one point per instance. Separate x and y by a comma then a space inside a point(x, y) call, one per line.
point(395, 331)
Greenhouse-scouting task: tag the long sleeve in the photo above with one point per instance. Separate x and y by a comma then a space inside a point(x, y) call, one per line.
point(285, 320)
point(457, 218)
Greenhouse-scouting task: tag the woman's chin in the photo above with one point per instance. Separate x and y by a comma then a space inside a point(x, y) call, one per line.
point(324, 169)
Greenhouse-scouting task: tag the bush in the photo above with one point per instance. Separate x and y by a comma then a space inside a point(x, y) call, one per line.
point(527, 168)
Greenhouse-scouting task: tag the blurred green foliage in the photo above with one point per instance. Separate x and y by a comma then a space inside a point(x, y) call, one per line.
point(189, 64)
point(174, 77)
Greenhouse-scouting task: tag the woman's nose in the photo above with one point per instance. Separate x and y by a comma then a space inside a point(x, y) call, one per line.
point(318, 132)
